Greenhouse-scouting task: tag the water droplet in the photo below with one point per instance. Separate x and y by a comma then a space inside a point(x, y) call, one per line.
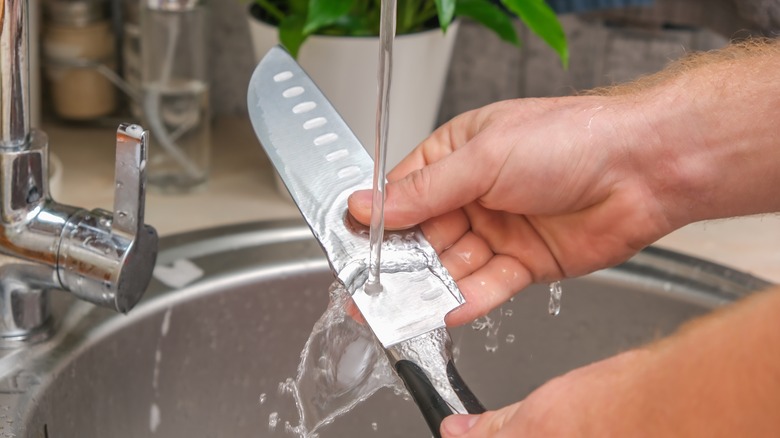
point(166, 323)
point(273, 420)
point(480, 324)
point(154, 418)
point(374, 426)
point(509, 312)
point(262, 398)
point(554, 307)
point(510, 338)
point(286, 387)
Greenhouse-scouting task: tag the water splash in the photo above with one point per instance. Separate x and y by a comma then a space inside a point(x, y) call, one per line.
point(154, 418)
point(554, 306)
point(491, 326)
point(273, 421)
point(341, 365)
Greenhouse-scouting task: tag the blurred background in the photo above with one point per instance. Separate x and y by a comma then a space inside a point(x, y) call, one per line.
point(611, 41)
point(88, 66)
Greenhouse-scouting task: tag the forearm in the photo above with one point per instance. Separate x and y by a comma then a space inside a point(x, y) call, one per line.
point(719, 376)
point(711, 133)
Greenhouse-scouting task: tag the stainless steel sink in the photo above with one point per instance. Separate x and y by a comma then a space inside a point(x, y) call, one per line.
point(193, 361)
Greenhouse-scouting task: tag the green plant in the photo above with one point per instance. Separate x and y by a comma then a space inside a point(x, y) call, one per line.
point(298, 19)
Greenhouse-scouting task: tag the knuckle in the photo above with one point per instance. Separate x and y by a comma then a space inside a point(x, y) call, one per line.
point(419, 184)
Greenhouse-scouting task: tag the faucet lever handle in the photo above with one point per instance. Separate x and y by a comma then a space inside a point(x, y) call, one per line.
point(132, 143)
point(107, 258)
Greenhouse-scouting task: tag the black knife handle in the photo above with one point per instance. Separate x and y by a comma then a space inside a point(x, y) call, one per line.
point(432, 405)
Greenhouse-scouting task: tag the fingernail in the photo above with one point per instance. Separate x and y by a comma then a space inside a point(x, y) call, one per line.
point(362, 199)
point(457, 425)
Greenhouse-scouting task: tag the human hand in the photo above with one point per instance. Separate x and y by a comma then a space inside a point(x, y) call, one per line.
point(525, 191)
point(593, 401)
point(718, 376)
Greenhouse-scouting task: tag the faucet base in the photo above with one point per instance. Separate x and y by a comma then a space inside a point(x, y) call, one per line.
point(26, 317)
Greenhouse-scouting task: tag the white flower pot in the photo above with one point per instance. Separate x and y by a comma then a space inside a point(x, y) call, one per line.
point(345, 69)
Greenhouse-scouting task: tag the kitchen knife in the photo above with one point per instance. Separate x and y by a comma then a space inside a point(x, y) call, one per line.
point(321, 163)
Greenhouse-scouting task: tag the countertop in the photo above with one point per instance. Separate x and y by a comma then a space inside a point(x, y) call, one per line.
point(242, 189)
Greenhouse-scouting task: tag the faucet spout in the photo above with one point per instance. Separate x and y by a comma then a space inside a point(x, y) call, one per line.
point(14, 73)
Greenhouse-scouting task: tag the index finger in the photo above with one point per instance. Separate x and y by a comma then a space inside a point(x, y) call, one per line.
point(441, 143)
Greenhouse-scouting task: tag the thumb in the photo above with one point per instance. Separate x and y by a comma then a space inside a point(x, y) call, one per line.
point(484, 425)
point(430, 191)
point(458, 425)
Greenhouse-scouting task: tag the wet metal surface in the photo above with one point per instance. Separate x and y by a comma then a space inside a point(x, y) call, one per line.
point(193, 361)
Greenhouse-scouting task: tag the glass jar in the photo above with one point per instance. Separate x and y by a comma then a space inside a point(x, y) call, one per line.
point(175, 93)
point(131, 51)
point(77, 42)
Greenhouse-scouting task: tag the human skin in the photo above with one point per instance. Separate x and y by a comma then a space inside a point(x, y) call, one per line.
point(719, 376)
point(535, 190)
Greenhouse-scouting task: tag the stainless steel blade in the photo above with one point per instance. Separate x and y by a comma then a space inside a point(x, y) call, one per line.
point(321, 163)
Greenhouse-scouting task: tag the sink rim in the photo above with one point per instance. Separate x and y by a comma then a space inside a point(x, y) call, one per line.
point(80, 325)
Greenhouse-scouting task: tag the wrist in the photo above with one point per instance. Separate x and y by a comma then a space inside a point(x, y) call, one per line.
point(710, 148)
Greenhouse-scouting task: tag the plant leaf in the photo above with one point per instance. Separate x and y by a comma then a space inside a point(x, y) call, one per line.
point(291, 33)
point(541, 19)
point(490, 16)
point(297, 6)
point(446, 9)
point(324, 13)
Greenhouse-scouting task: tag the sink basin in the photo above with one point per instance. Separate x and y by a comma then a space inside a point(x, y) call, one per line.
point(229, 310)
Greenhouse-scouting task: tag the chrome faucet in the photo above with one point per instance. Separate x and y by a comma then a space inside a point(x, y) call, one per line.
point(101, 257)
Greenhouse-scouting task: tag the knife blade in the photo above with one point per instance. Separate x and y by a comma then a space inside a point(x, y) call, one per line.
point(321, 162)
